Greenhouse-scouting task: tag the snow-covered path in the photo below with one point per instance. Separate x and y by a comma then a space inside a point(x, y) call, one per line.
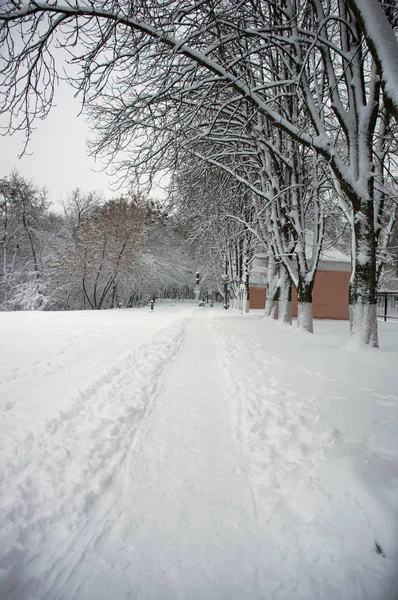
point(187, 528)
point(204, 462)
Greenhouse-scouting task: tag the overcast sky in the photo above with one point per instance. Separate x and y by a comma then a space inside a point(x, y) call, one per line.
point(58, 159)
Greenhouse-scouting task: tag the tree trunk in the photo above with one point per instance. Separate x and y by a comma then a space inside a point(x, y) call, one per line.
point(363, 291)
point(113, 296)
point(245, 279)
point(130, 302)
point(285, 297)
point(272, 289)
point(246, 294)
point(304, 297)
point(5, 274)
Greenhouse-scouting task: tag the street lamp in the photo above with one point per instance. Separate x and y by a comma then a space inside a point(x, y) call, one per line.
point(197, 282)
point(225, 280)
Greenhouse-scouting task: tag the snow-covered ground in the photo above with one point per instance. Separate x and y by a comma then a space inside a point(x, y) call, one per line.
point(195, 454)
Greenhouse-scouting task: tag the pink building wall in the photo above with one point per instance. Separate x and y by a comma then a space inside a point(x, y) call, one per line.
point(330, 296)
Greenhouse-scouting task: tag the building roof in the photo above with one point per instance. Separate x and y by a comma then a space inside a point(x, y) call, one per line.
point(331, 259)
point(334, 255)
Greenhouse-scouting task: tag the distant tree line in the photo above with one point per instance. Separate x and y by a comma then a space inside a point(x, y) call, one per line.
point(96, 254)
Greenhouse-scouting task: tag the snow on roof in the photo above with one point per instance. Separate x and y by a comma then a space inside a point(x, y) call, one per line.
point(259, 255)
point(330, 255)
point(334, 255)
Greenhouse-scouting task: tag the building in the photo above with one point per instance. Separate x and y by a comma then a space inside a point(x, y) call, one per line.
point(330, 293)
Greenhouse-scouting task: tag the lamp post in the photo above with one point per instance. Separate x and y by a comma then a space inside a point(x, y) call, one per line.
point(197, 290)
point(225, 280)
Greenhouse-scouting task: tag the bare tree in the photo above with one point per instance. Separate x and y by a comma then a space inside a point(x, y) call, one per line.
point(150, 72)
point(379, 20)
point(104, 246)
point(79, 207)
point(23, 243)
point(217, 213)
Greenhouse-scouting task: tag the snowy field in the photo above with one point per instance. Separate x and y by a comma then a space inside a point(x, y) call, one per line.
point(195, 454)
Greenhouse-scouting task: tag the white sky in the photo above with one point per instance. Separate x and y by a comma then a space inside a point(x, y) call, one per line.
point(58, 157)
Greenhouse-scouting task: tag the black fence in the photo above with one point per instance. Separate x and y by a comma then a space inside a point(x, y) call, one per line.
point(387, 305)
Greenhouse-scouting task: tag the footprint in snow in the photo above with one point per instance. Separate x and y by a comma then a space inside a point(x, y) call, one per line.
point(8, 405)
point(382, 402)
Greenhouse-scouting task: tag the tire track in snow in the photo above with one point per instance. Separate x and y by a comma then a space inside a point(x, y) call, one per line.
point(52, 517)
point(77, 568)
point(273, 423)
point(285, 450)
